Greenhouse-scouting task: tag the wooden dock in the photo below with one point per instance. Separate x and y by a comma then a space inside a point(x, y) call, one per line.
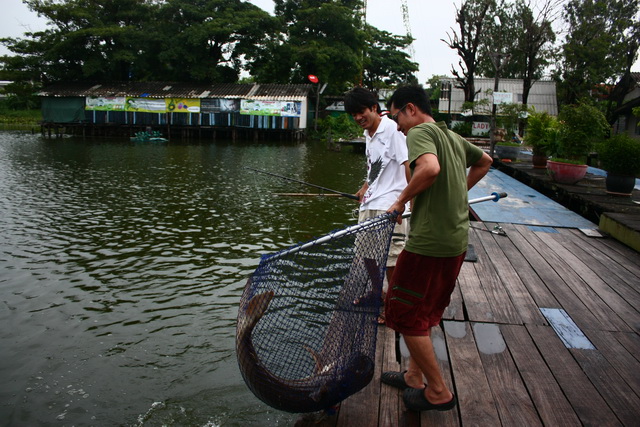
point(543, 328)
point(504, 359)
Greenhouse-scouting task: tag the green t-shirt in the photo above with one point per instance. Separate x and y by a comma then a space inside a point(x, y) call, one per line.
point(440, 215)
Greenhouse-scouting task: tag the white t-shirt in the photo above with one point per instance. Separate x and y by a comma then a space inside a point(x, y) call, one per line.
point(386, 150)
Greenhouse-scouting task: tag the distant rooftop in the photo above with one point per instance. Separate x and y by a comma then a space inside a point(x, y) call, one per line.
point(542, 95)
point(282, 92)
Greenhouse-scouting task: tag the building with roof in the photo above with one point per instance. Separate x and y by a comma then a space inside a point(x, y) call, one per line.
point(627, 122)
point(542, 95)
point(177, 107)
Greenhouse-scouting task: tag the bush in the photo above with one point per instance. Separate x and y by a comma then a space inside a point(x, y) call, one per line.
point(582, 126)
point(541, 133)
point(620, 155)
point(339, 127)
point(463, 128)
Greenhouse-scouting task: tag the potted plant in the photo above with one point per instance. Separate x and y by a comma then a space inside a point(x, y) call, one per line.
point(620, 157)
point(508, 148)
point(542, 132)
point(581, 126)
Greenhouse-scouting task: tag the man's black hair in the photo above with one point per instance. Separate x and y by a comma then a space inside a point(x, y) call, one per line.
point(411, 94)
point(359, 98)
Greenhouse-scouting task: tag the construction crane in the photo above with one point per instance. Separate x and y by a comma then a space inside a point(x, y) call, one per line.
point(407, 27)
point(405, 20)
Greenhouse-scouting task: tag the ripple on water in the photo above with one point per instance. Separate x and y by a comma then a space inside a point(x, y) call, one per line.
point(121, 267)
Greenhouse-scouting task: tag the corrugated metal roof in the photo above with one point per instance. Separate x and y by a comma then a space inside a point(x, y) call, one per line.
point(542, 95)
point(281, 92)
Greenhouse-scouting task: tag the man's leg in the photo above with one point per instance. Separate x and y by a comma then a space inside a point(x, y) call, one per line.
point(424, 357)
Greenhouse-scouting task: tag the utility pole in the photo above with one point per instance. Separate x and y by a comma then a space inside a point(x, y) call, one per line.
point(499, 60)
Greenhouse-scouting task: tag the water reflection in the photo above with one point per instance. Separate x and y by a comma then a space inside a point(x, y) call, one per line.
point(121, 267)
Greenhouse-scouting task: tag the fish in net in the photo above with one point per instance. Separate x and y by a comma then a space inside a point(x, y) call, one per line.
point(307, 322)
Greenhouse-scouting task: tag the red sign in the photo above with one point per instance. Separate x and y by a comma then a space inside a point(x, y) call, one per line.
point(313, 79)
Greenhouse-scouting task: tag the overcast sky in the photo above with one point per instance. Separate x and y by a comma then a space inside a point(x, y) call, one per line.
point(430, 21)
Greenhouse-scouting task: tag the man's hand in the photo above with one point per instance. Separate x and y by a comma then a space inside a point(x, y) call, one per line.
point(360, 194)
point(397, 208)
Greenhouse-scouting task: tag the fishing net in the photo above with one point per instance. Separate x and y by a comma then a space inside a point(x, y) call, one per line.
point(307, 320)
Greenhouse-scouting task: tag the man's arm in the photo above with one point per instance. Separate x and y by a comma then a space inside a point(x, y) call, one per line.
point(425, 172)
point(478, 170)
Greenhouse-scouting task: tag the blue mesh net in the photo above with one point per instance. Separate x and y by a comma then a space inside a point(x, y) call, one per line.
point(307, 321)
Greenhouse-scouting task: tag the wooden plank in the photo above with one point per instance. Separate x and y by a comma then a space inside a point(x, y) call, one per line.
point(407, 418)
point(627, 366)
point(609, 269)
point(582, 304)
point(390, 402)
point(630, 341)
point(518, 293)
point(569, 333)
point(455, 309)
point(615, 391)
point(587, 403)
point(501, 305)
point(512, 399)
point(476, 403)
point(625, 256)
point(444, 418)
point(364, 405)
point(550, 402)
point(528, 261)
point(475, 301)
point(602, 299)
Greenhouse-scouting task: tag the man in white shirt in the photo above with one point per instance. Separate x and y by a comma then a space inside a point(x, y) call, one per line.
point(387, 165)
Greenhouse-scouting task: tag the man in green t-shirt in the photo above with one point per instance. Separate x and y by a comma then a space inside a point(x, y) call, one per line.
point(427, 269)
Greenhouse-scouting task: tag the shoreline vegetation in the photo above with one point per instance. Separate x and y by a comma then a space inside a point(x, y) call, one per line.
point(20, 117)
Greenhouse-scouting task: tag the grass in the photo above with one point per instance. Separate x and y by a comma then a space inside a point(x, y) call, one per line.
point(20, 117)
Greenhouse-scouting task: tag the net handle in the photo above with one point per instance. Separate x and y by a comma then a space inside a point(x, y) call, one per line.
point(493, 197)
point(365, 224)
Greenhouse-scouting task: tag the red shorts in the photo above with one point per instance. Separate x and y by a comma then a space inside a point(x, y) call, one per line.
point(420, 291)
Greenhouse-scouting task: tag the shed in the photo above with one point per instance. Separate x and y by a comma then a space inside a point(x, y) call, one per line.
point(627, 122)
point(542, 95)
point(255, 106)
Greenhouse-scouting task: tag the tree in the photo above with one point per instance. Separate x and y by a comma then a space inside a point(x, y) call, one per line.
point(385, 62)
point(119, 40)
point(86, 40)
point(207, 40)
point(472, 18)
point(527, 37)
point(601, 44)
point(320, 37)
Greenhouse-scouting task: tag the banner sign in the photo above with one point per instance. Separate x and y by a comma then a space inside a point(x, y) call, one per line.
point(502, 98)
point(271, 108)
point(146, 105)
point(105, 103)
point(477, 128)
point(219, 105)
point(182, 105)
point(480, 128)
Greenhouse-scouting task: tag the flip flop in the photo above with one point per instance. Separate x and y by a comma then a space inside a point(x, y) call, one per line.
point(396, 379)
point(415, 400)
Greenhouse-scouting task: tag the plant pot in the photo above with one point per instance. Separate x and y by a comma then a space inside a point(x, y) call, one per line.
point(566, 173)
point(539, 161)
point(620, 185)
point(507, 152)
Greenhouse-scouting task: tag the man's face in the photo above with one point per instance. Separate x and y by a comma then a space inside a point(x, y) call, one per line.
point(367, 118)
point(401, 118)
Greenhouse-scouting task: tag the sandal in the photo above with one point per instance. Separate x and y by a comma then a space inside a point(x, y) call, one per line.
point(415, 400)
point(396, 379)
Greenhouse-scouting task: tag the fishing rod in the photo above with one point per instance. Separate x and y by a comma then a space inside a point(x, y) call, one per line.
point(371, 222)
point(350, 196)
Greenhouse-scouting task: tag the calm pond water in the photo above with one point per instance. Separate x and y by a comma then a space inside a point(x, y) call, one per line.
point(122, 265)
